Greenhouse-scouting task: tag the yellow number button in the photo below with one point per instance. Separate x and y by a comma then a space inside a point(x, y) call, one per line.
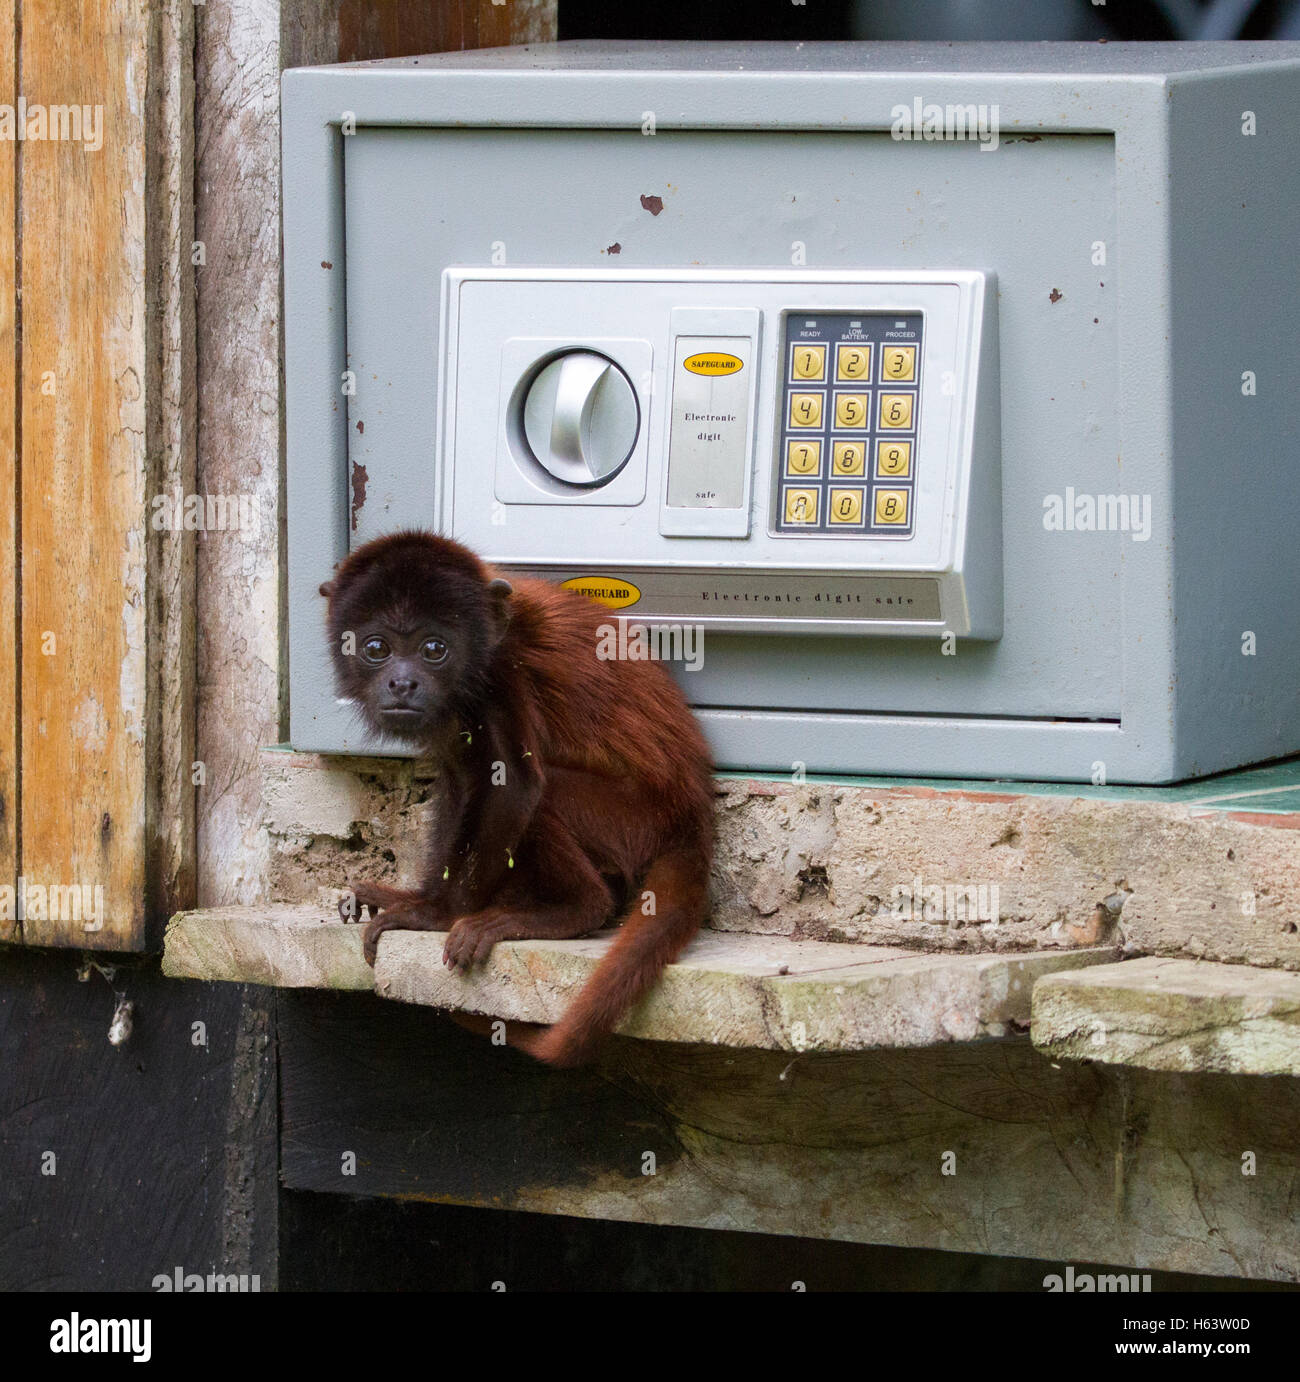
point(803, 457)
point(894, 458)
point(896, 409)
point(898, 362)
point(891, 506)
point(848, 458)
point(805, 410)
point(810, 362)
point(801, 506)
point(846, 506)
point(850, 410)
point(853, 362)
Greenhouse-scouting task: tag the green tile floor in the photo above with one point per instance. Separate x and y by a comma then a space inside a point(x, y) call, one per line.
point(1269, 788)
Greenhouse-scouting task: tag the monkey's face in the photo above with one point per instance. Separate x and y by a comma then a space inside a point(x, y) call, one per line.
point(403, 679)
point(414, 622)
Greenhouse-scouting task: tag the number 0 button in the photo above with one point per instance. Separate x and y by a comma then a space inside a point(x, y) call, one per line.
point(846, 506)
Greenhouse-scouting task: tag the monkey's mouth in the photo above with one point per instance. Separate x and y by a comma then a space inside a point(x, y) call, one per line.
point(401, 714)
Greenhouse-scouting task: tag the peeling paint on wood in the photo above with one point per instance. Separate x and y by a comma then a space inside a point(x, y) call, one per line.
point(86, 340)
point(9, 666)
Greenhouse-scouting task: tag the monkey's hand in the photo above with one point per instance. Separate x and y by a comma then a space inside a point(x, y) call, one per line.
point(414, 916)
point(471, 938)
point(375, 896)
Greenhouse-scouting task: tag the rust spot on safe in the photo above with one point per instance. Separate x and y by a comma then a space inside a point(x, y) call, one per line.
point(654, 205)
point(325, 264)
point(1055, 295)
point(359, 482)
point(361, 426)
point(615, 248)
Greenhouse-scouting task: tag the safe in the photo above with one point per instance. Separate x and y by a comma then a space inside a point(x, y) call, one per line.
point(941, 399)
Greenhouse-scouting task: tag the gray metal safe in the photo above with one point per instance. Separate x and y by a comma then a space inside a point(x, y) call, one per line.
point(953, 391)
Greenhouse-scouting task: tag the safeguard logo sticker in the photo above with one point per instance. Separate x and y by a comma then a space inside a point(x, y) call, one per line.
point(712, 362)
point(605, 590)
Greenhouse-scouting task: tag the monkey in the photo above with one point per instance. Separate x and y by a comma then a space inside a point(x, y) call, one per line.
point(571, 789)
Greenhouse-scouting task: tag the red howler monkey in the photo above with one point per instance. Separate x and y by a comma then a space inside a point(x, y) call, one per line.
point(572, 787)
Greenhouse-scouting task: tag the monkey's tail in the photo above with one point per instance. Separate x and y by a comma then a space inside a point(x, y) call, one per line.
point(677, 886)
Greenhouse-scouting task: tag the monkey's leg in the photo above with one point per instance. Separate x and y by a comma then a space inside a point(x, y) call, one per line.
point(560, 895)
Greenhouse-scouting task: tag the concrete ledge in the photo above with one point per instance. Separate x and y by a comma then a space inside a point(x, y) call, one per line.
point(738, 990)
point(1169, 1014)
point(1206, 871)
point(758, 992)
point(281, 945)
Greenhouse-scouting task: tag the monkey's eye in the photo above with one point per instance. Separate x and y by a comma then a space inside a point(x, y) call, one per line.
point(434, 650)
point(375, 650)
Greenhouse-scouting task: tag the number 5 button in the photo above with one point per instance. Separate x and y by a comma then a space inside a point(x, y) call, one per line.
point(850, 410)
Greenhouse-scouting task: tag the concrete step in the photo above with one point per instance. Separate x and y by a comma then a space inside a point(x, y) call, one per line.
point(1170, 1014)
point(728, 988)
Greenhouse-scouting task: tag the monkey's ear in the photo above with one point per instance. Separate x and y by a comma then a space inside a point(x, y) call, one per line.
point(499, 592)
point(327, 590)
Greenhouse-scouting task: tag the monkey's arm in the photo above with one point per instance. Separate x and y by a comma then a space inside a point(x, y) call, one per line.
point(506, 789)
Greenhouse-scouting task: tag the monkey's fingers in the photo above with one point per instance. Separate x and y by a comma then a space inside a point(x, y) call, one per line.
point(375, 927)
point(471, 938)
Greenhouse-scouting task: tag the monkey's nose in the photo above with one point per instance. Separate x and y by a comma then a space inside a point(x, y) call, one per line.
point(402, 686)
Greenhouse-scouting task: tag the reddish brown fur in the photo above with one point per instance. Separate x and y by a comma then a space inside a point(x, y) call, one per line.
point(606, 807)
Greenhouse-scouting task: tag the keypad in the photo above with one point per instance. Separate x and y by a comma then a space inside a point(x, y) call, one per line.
point(850, 409)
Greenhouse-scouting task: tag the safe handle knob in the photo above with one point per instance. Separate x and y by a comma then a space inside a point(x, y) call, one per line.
point(581, 418)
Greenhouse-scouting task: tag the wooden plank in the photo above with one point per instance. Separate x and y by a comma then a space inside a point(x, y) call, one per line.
point(361, 1077)
point(83, 229)
point(164, 1148)
point(985, 1148)
point(9, 665)
point(171, 390)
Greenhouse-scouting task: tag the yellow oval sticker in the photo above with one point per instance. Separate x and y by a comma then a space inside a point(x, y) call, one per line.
point(713, 362)
point(605, 590)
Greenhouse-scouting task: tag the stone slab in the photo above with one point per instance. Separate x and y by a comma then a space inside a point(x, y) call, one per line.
point(1168, 1014)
